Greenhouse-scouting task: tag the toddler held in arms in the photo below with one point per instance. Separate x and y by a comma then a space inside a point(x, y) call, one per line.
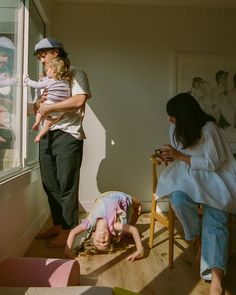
point(113, 213)
point(57, 86)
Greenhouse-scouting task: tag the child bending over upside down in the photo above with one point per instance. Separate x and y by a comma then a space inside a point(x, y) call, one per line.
point(113, 214)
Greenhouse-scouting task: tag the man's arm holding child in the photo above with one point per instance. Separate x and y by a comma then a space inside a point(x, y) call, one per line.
point(72, 103)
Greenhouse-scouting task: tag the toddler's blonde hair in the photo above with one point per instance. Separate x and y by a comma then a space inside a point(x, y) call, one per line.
point(60, 68)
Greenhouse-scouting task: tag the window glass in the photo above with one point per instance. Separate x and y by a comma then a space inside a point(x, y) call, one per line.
point(10, 88)
point(36, 32)
point(17, 147)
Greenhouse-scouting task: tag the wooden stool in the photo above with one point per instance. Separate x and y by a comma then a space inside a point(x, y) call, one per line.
point(168, 220)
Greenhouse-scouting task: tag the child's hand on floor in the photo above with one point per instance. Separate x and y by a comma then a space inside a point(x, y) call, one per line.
point(137, 254)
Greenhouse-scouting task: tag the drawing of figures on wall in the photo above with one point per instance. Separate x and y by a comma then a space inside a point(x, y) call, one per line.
point(217, 101)
point(211, 79)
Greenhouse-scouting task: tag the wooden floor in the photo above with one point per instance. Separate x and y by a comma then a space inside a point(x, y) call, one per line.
point(150, 275)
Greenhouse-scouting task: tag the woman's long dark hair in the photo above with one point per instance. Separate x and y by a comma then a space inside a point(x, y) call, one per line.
point(190, 118)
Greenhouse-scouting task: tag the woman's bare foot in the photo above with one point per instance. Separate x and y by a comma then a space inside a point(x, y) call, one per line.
point(216, 283)
point(51, 232)
point(60, 240)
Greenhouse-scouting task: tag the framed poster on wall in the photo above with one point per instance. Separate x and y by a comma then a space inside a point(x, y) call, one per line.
point(211, 79)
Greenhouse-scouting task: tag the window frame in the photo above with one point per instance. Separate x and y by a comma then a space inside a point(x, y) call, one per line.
point(22, 53)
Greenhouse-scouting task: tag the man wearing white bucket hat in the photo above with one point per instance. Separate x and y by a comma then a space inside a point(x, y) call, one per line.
point(60, 151)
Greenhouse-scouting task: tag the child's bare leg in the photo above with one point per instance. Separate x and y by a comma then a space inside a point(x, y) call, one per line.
point(38, 118)
point(48, 122)
point(216, 283)
point(137, 208)
point(46, 127)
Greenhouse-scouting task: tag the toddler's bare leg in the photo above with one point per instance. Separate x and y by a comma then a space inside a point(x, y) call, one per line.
point(137, 210)
point(48, 122)
point(38, 118)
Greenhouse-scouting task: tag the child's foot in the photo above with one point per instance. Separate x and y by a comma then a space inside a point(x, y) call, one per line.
point(35, 126)
point(37, 139)
point(51, 232)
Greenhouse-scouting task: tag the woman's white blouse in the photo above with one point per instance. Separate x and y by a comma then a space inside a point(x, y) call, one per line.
point(211, 177)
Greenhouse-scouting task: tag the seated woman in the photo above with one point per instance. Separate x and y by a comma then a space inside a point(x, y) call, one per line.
point(113, 213)
point(201, 170)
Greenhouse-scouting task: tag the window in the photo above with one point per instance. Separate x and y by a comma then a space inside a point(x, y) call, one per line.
point(20, 29)
point(10, 89)
point(36, 33)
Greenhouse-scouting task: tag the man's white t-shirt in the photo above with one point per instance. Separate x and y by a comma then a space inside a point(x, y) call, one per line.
point(72, 121)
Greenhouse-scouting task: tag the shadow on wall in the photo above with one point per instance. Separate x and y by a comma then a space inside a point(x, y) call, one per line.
point(111, 158)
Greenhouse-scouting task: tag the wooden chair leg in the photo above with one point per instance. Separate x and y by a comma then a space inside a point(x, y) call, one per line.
point(152, 222)
point(171, 226)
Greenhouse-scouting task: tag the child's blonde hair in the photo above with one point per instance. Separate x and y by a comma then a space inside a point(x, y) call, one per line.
point(60, 68)
point(87, 247)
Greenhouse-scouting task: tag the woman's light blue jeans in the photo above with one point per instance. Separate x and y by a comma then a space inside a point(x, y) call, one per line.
point(212, 229)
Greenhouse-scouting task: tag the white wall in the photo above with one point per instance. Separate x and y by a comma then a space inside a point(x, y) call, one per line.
point(127, 54)
point(23, 210)
point(23, 207)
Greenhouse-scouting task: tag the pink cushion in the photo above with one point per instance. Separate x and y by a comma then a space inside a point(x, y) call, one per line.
point(39, 272)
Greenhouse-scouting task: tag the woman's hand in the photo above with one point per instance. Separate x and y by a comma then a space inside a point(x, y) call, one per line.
point(166, 153)
point(169, 154)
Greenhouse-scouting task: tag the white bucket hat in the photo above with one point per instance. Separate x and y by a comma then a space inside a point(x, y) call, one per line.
point(6, 43)
point(47, 43)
